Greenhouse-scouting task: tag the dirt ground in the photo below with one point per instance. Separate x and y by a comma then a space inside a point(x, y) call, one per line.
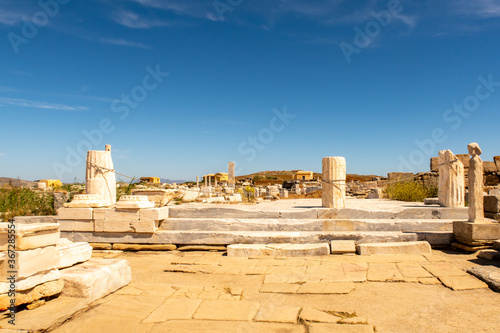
point(387, 306)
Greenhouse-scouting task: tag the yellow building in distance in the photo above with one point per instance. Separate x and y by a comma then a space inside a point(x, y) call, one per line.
point(154, 180)
point(54, 183)
point(303, 175)
point(219, 176)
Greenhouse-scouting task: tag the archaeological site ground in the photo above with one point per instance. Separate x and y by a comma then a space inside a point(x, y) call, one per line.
point(313, 253)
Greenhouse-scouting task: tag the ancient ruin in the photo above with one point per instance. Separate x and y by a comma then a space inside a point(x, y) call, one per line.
point(451, 180)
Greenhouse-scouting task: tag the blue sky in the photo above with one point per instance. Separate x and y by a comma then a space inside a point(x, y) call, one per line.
point(179, 88)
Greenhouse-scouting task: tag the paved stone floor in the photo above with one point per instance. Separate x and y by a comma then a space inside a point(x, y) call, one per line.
point(208, 292)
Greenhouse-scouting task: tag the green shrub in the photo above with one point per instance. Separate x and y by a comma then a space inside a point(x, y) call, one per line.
point(23, 201)
point(410, 191)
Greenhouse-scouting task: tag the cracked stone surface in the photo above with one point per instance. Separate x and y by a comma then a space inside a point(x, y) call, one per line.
point(207, 291)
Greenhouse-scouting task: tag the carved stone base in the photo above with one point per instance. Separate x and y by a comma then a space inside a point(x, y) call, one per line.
point(476, 233)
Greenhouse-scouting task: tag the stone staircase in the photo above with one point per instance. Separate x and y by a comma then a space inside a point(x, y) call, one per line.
point(226, 225)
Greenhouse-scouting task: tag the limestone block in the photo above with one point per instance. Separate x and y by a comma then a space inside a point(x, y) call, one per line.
point(35, 219)
point(71, 253)
point(431, 201)
point(134, 202)
point(32, 281)
point(492, 204)
point(143, 226)
point(245, 250)
point(465, 159)
point(496, 245)
point(478, 233)
point(287, 250)
point(451, 180)
point(298, 250)
point(190, 196)
point(496, 159)
point(29, 236)
point(394, 248)
point(95, 278)
point(489, 167)
point(87, 201)
point(153, 214)
point(76, 225)
point(75, 214)
point(100, 213)
point(334, 187)
point(343, 246)
point(434, 164)
point(31, 262)
point(158, 196)
point(47, 289)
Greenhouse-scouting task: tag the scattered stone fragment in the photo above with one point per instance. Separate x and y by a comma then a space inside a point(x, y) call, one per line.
point(44, 290)
point(489, 255)
point(489, 274)
point(462, 282)
point(96, 278)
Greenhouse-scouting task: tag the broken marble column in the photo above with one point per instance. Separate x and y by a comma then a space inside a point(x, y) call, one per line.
point(230, 171)
point(100, 176)
point(333, 185)
point(477, 231)
point(451, 180)
point(197, 182)
point(476, 186)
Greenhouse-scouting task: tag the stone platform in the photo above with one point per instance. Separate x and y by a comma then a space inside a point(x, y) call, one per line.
point(286, 221)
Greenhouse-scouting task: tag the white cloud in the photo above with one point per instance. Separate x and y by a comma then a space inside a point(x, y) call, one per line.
point(40, 105)
point(2, 154)
point(123, 42)
point(478, 8)
point(135, 21)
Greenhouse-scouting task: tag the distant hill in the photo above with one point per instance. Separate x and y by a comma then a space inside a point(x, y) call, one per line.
point(275, 177)
point(6, 181)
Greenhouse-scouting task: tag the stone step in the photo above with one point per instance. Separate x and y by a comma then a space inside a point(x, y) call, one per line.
point(394, 248)
point(417, 212)
point(188, 237)
point(242, 224)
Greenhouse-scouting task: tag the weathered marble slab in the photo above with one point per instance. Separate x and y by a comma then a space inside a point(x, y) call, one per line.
point(29, 236)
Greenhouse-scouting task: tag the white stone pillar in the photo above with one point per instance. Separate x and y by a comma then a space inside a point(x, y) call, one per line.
point(333, 186)
point(197, 181)
point(476, 185)
point(230, 171)
point(100, 177)
point(451, 180)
